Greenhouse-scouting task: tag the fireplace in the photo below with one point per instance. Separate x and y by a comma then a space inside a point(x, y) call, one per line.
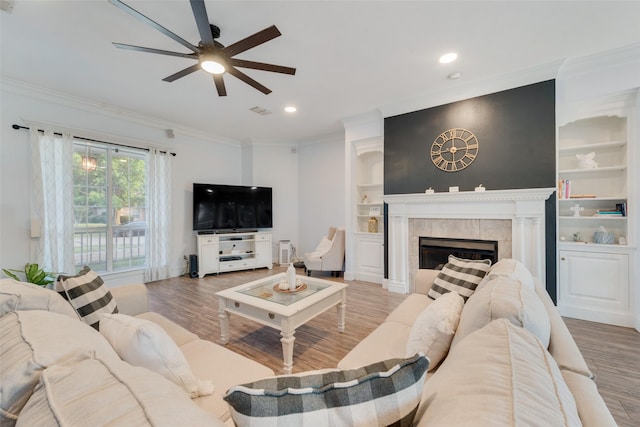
point(463, 215)
point(434, 251)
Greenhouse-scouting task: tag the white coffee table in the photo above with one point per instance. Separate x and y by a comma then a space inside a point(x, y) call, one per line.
point(284, 311)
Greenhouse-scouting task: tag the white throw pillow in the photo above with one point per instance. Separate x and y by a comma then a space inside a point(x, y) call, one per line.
point(324, 245)
point(433, 330)
point(511, 269)
point(143, 343)
point(508, 299)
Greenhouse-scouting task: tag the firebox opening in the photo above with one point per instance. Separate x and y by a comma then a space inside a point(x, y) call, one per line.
point(434, 251)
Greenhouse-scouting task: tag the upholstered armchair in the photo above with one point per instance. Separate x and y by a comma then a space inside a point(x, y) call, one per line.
point(328, 255)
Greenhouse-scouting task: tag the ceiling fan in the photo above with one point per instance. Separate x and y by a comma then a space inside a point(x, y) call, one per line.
point(211, 55)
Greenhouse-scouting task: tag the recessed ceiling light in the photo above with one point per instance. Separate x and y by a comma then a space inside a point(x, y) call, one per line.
point(290, 109)
point(448, 57)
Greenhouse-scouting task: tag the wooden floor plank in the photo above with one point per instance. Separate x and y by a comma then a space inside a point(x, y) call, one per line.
point(612, 353)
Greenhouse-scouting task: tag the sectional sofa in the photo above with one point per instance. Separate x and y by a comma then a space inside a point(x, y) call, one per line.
point(510, 346)
point(507, 360)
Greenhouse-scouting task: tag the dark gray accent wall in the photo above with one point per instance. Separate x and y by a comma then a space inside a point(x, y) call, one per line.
point(516, 132)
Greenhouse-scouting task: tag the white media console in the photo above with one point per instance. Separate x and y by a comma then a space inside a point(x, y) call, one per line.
point(222, 252)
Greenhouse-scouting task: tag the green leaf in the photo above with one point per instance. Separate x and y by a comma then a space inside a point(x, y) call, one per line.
point(30, 270)
point(10, 274)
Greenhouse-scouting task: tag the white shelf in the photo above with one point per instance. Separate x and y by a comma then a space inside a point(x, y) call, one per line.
point(596, 146)
point(596, 199)
point(215, 252)
point(619, 168)
point(583, 218)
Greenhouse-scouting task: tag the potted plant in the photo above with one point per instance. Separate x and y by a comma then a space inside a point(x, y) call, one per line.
point(33, 274)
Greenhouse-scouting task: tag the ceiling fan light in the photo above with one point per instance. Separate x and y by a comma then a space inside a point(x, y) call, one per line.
point(212, 66)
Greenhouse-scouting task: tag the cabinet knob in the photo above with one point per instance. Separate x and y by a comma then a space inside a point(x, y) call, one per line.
point(271, 316)
point(237, 304)
point(563, 259)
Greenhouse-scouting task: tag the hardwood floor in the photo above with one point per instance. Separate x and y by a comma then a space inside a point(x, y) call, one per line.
point(613, 353)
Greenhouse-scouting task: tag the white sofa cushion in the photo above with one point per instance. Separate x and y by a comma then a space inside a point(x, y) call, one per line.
point(409, 309)
point(33, 340)
point(508, 299)
point(387, 341)
point(225, 368)
point(88, 295)
point(381, 394)
point(94, 392)
point(460, 275)
point(142, 343)
point(498, 376)
point(16, 296)
point(511, 269)
point(433, 330)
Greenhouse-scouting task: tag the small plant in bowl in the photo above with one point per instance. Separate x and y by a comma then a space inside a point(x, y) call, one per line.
point(33, 274)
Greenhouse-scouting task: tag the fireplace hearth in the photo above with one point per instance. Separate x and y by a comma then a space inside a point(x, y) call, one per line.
point(434, 252)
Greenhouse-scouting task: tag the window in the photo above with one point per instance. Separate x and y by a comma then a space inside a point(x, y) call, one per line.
point(109, 202)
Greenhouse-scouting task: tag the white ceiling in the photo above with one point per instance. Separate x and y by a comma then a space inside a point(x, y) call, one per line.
point(351, 56)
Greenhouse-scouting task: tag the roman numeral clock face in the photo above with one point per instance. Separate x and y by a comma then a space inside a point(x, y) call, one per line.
point(454, 149)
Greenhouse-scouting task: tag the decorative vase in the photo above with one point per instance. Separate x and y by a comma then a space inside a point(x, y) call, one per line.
point(373, 225)
point(291, 277)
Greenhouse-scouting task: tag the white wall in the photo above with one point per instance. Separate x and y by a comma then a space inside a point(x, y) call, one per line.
point(276, 166)
point(197, 160)
point(322, 190)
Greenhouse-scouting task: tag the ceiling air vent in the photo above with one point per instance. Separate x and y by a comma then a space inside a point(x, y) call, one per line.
point(260, 110)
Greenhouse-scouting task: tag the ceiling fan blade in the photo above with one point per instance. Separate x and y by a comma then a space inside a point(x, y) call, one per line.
point(222, 90)
point(262, 66)
point(248, 80)
point(182, 73)
point(158, 51)
point(202, 21)
point(131, 11)
point(252, 41)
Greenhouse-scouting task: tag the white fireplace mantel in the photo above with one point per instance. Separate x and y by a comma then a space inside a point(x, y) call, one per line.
point(524, 207)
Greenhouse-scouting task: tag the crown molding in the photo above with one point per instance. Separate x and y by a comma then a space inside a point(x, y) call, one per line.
point(471, 89)
point(61, 98)
point(372, 116)
point(624, 56)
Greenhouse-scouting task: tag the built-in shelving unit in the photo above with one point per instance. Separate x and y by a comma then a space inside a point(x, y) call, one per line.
point(233, 251)
point(368, 188)
point(595, 278)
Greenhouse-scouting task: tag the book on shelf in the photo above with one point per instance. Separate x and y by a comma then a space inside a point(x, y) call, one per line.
point(564, 189)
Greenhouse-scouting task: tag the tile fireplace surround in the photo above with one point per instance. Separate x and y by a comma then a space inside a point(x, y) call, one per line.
point(515, 218)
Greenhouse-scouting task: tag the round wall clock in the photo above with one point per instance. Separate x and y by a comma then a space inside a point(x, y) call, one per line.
point(454, 149)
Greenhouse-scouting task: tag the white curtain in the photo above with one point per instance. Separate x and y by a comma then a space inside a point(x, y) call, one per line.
point(158, 216)
point(52, 200)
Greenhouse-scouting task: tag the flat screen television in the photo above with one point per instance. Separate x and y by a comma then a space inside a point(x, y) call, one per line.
point(231, 207)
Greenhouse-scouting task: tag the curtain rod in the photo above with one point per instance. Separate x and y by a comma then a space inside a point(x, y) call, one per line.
point(17, 127)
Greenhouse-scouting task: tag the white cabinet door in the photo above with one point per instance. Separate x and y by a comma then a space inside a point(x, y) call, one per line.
point(208, 251)
point(369, 258)
point(595, 286)
point(263, 250)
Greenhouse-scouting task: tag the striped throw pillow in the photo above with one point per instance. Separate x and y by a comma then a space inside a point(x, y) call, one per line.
point(88, 295)
point(460, 275)
point(381, 394)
